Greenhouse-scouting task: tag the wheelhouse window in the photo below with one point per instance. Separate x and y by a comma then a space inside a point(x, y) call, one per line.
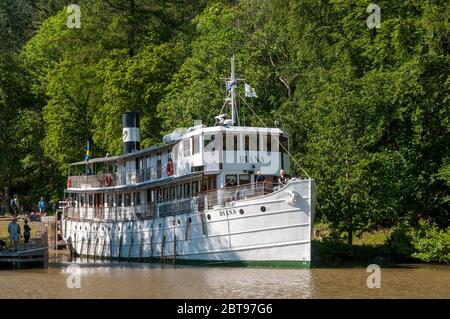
point(230, 180)
point(269, 143)
point(247, 143)
point(195, 144)
point(209, 143)
point(244, 179)
point(284, 143)
point(186, 148)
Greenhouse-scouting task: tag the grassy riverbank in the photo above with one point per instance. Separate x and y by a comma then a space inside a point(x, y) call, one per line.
point(403, 243)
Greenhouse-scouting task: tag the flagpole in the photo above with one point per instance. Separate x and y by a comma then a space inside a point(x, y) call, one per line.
point(233, 94)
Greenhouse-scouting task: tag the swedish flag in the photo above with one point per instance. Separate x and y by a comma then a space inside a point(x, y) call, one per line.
point(88, 152)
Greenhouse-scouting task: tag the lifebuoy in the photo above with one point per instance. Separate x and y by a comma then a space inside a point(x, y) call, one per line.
point(169, 168)
point(107, 180)
point(68, 182)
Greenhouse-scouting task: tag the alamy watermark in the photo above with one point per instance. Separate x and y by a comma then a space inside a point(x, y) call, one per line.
point(373, 20)
point(74, 19)
point(374, 279)
point(74, 278)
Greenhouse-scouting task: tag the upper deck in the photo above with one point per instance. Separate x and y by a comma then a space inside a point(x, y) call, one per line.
point(201, 150)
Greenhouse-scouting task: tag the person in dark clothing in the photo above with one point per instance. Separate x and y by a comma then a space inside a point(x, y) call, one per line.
point(260, 180)
point(26, 232)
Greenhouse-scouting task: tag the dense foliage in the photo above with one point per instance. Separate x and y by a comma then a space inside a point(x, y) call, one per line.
point(368, 110)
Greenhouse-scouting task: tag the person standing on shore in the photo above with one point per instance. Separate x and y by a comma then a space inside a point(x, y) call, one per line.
point(14, 233)
point(26, 232)
point(41, 206)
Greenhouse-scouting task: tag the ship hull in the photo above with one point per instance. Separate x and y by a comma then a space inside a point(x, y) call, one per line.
point(271, 230)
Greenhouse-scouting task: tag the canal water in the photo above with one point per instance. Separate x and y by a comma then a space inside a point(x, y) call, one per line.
point(142, 280)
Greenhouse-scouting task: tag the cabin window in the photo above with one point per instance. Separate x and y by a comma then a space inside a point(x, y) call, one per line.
point(149, 196)
point(186, 148)
point(109, 200)
point(187, 189)
point(195, 144)
point(244, 179)
point(127, 199)
point(179, 191)
point(172, 192)
point(269, 143)
point(194, 188)
point(158, 195)
point(82, 199)
point(236, 142)
point(90, 200)
point(165, 193)
point(119, 200)
point(137, 198)
point(230, 180)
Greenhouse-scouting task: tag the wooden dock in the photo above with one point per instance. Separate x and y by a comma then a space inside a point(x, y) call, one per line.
point(35, 253)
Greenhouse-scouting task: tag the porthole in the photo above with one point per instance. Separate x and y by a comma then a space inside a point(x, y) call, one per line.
point(263, 208)
point(208, 216)
point(189, 220)
point(179, 223)
point(173, 222)
point(241, 211)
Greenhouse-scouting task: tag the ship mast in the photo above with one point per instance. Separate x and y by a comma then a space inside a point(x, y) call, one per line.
point(234, 112)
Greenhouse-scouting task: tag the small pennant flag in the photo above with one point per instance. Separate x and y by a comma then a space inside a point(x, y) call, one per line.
point(230, 84)
point(249, 91)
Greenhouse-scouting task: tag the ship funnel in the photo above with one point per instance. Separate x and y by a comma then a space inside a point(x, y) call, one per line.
point(130, 132)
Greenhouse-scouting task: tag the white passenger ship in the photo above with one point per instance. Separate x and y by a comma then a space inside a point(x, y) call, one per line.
point(194, 199)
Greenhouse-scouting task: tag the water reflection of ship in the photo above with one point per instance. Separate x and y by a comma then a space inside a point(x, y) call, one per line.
point(195, 199)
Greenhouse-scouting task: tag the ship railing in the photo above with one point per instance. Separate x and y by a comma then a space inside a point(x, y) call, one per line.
point(141, 211)
point(120, 179)
point(209, 199)
point(226, 195)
